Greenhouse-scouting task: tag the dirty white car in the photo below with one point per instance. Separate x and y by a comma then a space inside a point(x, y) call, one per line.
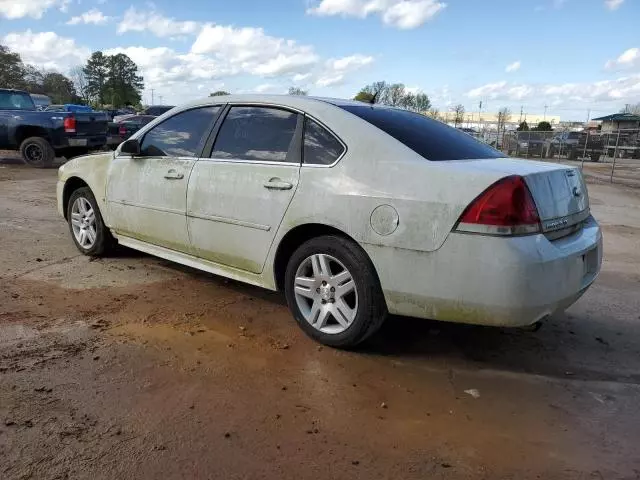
point(355, 211)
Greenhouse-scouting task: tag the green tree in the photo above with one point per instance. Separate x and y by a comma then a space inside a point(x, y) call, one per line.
point(408, 101)
point(297, 91)
point(523, 127)
point(11, 69)
point(59, 88)
point(97, 73)
point(378, 90)
point(365, 97)
point(544, 127)
point(422, 103)
point(218, 93)
point(123, 85)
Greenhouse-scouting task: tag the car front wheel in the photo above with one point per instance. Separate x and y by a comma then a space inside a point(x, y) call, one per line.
point(88, 230)
point(333, 291)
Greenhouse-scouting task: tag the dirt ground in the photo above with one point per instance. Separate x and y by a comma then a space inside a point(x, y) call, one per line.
point(133, 367)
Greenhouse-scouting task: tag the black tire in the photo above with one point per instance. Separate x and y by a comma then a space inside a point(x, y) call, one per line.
point(37, 152)
point(104, 241)
point(372, 308)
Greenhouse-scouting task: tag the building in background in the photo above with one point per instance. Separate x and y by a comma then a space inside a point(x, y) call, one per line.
point(489, 120)
point(619, 121)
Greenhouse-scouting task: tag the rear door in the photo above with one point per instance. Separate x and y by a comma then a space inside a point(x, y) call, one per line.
point(238, 196)
point(146, 194)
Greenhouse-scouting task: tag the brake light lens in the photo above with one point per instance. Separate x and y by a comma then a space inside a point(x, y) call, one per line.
point(70, 125)
point(505, 208)
point(122, 131)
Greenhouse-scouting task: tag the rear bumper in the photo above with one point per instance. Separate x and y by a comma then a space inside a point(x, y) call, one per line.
point(89, 141)
point(489, 280)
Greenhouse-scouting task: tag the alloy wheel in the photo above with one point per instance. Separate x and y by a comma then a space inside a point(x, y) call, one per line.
point(83, 223)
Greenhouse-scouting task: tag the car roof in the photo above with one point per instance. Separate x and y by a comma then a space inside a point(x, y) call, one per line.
point(13, 90)
point(294, 101)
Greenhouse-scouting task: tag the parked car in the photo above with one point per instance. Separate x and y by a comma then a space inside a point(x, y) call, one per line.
point(156, 110)
point(353, 210)
point(41, 135)
point(526, 144)
point(121, 131)
point(572, 144)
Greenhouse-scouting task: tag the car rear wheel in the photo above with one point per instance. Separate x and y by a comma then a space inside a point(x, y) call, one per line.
point(37, 152)
point(333, 291)
point(87, 228)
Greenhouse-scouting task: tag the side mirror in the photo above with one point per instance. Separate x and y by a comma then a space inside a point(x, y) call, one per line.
point(131, 147)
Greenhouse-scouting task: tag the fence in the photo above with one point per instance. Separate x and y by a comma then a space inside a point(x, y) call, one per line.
point(619, 148)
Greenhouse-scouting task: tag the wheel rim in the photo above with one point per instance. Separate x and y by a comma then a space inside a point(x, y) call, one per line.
point(83, 223)
point(33, 153)
point(326, 294)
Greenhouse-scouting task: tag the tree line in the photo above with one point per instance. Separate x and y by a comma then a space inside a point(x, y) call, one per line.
point(104, 80)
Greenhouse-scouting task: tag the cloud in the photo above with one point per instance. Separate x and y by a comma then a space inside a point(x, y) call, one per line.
point(154, 22)
point(628, 59)
point(613, 4)
point(267, 87)
point(335, 69)
point(250, 50)
point(402, 14)
point(615, 90)
point(13, 9)
point(47, 49)
point(513, 67)
point(93, 16)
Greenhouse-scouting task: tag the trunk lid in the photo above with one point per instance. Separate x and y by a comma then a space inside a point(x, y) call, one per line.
point(559, 191)
point(91, 123)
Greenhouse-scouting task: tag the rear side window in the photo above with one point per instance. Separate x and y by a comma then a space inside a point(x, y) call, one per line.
point(180, 135)
point(320, 146)
point(427, 137)
point(257, 134)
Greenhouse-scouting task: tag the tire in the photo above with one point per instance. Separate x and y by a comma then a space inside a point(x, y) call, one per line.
point(102, 239)
point(37, 152)
point(364, 301)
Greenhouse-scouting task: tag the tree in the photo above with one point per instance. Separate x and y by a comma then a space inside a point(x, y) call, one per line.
point(12, 70)
point(297, 91)
point(124, 85)
point(523, 127)
point(634, 109)
point(59, 88)
point(378, 90)
point(544, 127)
point(218, 93)
point(96, 72)
point(433, 113)
point(33, 79)
point(79, 79)
point(458, 114)
point(408, 101)
point(365, 97)
point(504, 115)
point(422, 103)
point(395, 95)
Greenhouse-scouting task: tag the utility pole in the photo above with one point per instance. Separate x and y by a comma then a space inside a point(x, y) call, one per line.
point(160, 97)
point(545, 112)
point(521, 110)
point(588, 115)
point(152, 90)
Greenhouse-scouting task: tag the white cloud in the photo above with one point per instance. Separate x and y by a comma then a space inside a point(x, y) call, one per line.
point(571, 94)
point(161, 26)
point(252, 51)
point(13, 9)
point(93, 16)
point(613, 4)
point(267, 87)
point(301, 77)
point(628, 59)
point(513, 67)
point(335, 69)
point(403, 14)
point(47, 49)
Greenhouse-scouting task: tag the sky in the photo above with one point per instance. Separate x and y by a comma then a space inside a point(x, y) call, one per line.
point(576, 57)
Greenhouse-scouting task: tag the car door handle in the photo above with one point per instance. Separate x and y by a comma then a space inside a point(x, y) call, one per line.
point(277, 184)
point(173, 175)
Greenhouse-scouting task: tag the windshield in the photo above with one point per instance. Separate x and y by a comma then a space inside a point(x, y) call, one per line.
point(429, 138)
point(16, 101)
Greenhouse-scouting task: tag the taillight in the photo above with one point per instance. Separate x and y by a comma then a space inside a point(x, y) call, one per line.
point(122, 131)
point(70, 125)
point(505, 208)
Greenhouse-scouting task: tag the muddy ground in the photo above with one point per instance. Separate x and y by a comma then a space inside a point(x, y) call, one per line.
point(133, 367)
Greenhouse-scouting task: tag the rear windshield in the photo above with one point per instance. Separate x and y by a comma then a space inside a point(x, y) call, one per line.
point(427, 137)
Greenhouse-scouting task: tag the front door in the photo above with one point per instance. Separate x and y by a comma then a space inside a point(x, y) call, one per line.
point(238, 197)
point(146, 194)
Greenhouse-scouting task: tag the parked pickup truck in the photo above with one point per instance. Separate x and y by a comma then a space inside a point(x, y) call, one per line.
point(40, 136)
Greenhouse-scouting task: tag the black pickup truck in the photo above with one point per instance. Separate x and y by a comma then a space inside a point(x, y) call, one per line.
point(40, 136)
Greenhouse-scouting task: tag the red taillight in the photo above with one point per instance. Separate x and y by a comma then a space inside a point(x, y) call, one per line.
point(70, 125)
point(122, 131)
point(505, 208)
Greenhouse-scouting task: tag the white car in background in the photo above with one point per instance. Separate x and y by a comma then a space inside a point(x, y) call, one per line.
point(354, 210)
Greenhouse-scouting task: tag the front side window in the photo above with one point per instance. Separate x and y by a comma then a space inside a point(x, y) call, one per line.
point(429, 138)
point(257, 134)
point(320, 146)
point(181, 135)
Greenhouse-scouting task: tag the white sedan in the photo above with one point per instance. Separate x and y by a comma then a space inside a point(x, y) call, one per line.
point(354, 210)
